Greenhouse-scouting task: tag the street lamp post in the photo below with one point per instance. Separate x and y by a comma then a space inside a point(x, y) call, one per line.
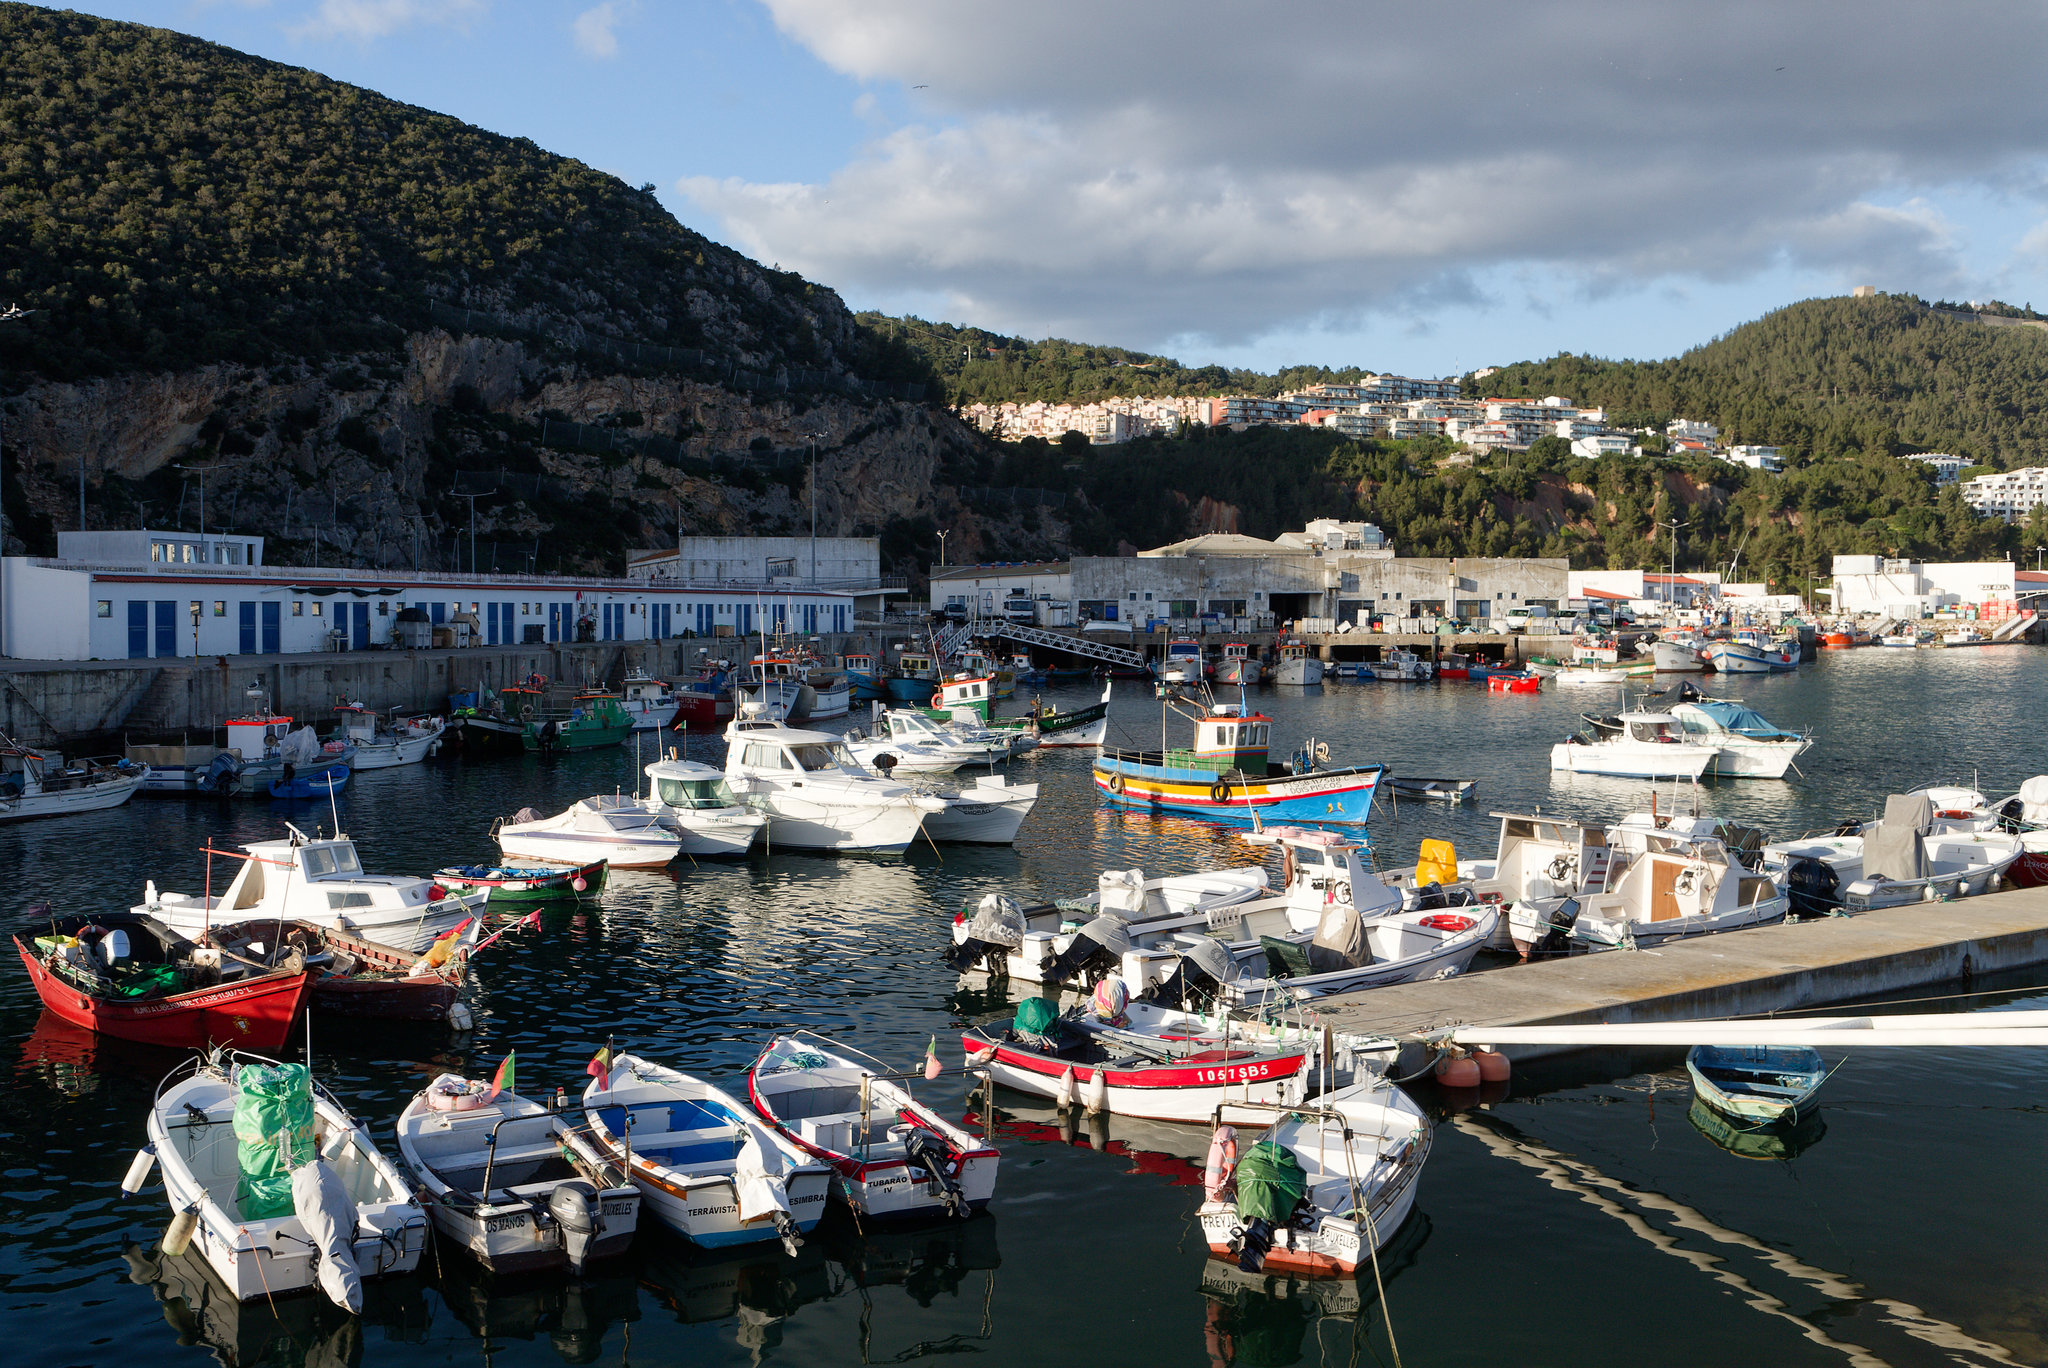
point(14, 314)
point(942, 547)
point(814, 436)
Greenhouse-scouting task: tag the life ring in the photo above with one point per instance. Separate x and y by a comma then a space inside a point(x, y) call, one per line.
point(1955, 814)
point(1447, 921)
point(1219, 792)
point(1116, 783)
point(526, 712)
point(939, 699)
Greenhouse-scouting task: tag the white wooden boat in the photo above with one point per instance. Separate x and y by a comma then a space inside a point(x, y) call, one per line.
point(1738, 657)
point(319, 881)
point(1746, 745)
point(1432, 790)
point(1150, 1061)
point(406, 741)
point(511, 1181)
point(1022, 940)
point(1355, 1157)
point(693, 802)
point(1897, 640)
point(1297, 666)
point(815, 795)
point(896, 1157)
point(1634, 745)
point(357, 1219)
point(708, 1167)
point(608, 827)
point(1400, 666)
point(919, 745)
point(36, 783)
point(1907, 857)
point(1680, 655)
point(1352, 950)
point(1081, 728)
point(1237, 664)
point(1580, 675)
point(988, 811)
point(1536, 858)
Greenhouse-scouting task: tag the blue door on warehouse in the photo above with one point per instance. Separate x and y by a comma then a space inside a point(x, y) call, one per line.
point(167, 627)
point(247, 614)
point(272, 615)
point(361, 637)
point(138, 629)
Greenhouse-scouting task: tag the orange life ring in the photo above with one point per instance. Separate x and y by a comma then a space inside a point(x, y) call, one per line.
point(939, 699)
point(1955, 814)
point(1447, 921)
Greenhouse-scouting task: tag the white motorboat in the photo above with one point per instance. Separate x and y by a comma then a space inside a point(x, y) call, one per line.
point(1660, 884)
point(36, 783)
point(1898, 640)
point(815, 795)
point(1910, 856)
point(1150, 1061)
point(1746, 746)
point(1536, 857)
point(1297, 666)
point(648, 702)
point(321, 881)
point(1634, 745)
point(832, 694)
point(1400, 666)
point(323, 1209)
point(1677, 655)
point(987, 812)
point(963, 734)
point(608, 827)
point(896, 1157)
point(693, 801)
point(407, 741)
point(1021, 941)
point(919, 745)
point(1578, 675)
point(512, 1181)
point(709, 1168)
point(1355, 947)
point(1355, 1156)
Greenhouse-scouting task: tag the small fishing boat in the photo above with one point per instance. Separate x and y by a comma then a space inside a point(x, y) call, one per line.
point(1453, 665)
point(1371, 941)
point(1432, 790)
point(261, 749)
point(1578, 675)
point(1680, 654)
point(610, 827)
point(1746, 745)
point(694, 802)
point(1227, 775)
point(921, 746)
point(1898, 640)
point(1737, 657)
point(486, 724)
point(961, 697)
point(1498, 682)
point(352, 976)
point(36, 783)
point(1633, 745)
point(1907, 857)
point(523, 886)
point(648, 702)
point(1237, 665)
point(278, 1186)
point(1296, 665)
point(320, 785)
point(988, 811)
point(865, 677)
point(133, 978)
point(1021, 941)
point(1185, 654)
point(1757, 1084)
point(511, 1181)
point(1658, 885)
point(896, 1157)
point(406, 741)
point(778, 682)
point(916, 678)
point(708, 1167)
point(1400, 666)
point(1002, 682)
point(1327, 1187)
point(1073, 728)
point(593, 721)
point(1139, 1060)
point(815, 795)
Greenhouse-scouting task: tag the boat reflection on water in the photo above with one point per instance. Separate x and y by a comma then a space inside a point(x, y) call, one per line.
point(202, 1312)
point(757, 1288)
point(1265, 1320)
point(62, 1055)
point(1771, 1141)
point(1160, 1148)
point(573, 1314)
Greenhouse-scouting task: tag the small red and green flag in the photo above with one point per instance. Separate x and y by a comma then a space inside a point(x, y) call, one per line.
point(600, 1066)
point(503, 1082)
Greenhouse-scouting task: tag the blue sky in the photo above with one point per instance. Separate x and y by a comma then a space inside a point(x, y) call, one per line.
point(1343, 183)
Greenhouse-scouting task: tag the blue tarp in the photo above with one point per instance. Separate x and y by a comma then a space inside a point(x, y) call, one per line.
point(1743, 721)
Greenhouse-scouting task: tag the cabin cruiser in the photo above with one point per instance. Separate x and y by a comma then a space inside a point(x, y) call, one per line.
point(1659, 885)
point(37, 783)
point(693, 801)
point(648, 702)
point(1746, 745)
point(1634, 745)
point(612, 827)
point(922, 745)
point(1910, 856)
point(1400, 666)
point(1021, 941)
point(319, 880)
point(407, 741)
point(815, 794)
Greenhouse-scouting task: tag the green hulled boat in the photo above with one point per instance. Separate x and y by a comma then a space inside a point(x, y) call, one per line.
point(597, 719)
point(526, 886)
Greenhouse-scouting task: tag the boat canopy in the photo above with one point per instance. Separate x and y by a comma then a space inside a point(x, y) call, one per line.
point(1741, 720)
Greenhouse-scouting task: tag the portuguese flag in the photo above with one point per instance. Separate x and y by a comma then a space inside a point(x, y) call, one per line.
point(600, 1066)
point(503, 1082)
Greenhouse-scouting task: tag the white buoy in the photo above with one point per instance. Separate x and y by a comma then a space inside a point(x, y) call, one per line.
point(1096, 1098)
point(460, 1018)
point(1066, 1094)
point(179, 1237)
point(138, 1171)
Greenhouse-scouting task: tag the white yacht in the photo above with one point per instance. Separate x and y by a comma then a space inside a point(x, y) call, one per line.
point(815, 794)
point(693, 801)
point(320, 880)
point(405, 742)
point(1634, 745)
point(607, 826)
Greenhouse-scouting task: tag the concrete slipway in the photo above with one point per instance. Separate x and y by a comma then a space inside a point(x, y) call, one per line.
point(1739, 973)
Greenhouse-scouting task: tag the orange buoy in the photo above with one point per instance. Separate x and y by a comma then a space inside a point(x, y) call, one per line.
point(1493, 1065)
point(1458, 1071)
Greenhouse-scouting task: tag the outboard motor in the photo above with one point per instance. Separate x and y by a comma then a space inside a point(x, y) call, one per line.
point(996, 929)
point(223, 776)
point(1097, 949)
point(1197, 979)
point(1813, 888)
point(576, 1210)
point(928, 1152)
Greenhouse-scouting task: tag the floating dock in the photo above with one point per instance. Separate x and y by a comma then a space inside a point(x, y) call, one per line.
point(1738, 973)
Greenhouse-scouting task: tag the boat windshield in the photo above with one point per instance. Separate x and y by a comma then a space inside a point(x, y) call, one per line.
point(324, 861)
point(1651, 731)
point(820, 755)
point(696, 793)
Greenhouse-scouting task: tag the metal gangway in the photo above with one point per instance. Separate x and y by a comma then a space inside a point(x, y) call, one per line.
point(1077, 644)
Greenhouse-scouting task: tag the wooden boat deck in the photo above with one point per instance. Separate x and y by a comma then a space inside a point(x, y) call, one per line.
point(1738, 973)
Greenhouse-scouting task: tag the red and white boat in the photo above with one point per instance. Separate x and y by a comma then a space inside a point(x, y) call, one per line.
point(896, 1157)
point(1158, 1063)
point(134, 978)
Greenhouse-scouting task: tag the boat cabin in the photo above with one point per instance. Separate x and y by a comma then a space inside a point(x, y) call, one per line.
point(1321, 867)
point(1185, 651)
point(1229, 738)
point(964, 691)
point(313, 879)
point(1661, 875)
point(688, 785)
point(774, 668)
point(779, 752)
point(1294, 650)
point(1543, 857)
point(1236, 650)
point(644, 690)
point(859, 664)
point(256, 737)
point(916, 666)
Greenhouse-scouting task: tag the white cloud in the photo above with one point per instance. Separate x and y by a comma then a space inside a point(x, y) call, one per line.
point(596, 29)
point(1217, 169)
point(367, 20)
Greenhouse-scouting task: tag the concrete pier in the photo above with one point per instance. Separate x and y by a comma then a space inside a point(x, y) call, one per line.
point(1740, 973)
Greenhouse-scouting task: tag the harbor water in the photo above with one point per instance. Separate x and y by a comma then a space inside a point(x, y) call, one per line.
point(1583, 1215)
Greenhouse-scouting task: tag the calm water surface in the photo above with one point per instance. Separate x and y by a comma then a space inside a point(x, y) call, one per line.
point(1582, 1217)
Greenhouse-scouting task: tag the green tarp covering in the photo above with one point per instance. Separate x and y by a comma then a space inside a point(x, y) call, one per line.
point(1035, 1016)
point(1270, 1183)
point(273, 1135)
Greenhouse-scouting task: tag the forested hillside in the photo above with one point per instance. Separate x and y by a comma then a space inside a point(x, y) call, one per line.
point(1831, 377)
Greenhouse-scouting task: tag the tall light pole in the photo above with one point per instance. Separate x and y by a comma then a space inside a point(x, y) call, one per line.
point(942, 547)
point(472, 524)
point(814, 436)
point(200, 471)
point(1671, 583)
point(15, 313)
